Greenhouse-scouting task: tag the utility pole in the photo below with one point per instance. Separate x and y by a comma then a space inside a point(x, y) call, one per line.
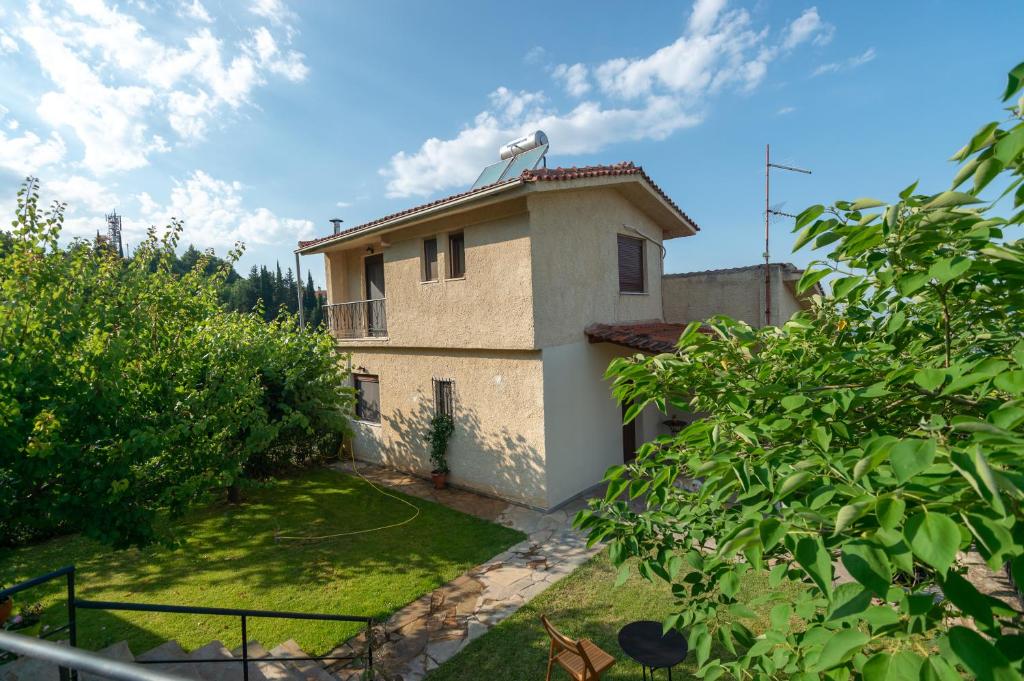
point(768, 213)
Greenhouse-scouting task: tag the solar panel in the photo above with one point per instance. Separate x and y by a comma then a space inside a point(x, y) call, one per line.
point(492, 173)
point(528, 160)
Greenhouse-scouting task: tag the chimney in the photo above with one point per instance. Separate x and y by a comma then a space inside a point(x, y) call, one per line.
point(336, 223)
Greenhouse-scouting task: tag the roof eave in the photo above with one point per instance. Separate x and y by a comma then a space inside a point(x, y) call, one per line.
point(403, 220)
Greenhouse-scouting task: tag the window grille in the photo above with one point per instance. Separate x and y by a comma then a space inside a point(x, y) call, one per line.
point(444, 396)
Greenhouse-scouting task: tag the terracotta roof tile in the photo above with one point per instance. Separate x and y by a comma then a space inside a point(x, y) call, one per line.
point(538, 175)
point(645, 336)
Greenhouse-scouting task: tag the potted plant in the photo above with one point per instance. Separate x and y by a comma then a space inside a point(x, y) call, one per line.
point(6, 607)
point(441, 428)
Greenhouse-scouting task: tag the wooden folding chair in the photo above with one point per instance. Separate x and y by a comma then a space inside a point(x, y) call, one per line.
point(581, 659)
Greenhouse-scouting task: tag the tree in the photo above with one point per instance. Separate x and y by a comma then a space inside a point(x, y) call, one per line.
point(128, 392)
point(881, 430)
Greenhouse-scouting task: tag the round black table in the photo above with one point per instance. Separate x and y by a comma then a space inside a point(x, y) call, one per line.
point(643, 642)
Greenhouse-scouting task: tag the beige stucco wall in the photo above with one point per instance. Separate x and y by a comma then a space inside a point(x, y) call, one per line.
point(491, 307)
point(498, 445)
point(575, 256)
point(738, 294)
point(583, 422)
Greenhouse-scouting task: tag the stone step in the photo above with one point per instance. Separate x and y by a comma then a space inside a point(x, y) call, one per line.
point(272, 671)
point(119, 651)
point(28, 669)
point(307, 670)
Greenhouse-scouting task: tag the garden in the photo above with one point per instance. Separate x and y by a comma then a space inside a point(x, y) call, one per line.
point(236, 556)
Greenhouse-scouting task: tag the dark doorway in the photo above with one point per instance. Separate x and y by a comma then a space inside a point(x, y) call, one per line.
point(628, 437)
point(376, 322)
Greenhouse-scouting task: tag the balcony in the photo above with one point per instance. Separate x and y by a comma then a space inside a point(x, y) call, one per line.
point(357, 319)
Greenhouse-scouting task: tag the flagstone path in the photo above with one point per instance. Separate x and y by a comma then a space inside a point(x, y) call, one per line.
point(435, 627)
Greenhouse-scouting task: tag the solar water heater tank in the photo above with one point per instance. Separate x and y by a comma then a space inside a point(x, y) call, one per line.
point(518, 146)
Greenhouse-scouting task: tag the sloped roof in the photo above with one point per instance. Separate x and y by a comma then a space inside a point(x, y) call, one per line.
point(654, 337)
point(536, 175)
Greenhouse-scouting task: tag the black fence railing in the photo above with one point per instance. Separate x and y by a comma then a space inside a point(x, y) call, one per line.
point(244, 615)
point(68, 573)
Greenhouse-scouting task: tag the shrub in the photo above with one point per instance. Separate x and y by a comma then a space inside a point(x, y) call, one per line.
point(881, 430)
point(127, 393)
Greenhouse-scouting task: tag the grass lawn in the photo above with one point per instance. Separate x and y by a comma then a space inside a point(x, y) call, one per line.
point(230, 558)
point(586, 604)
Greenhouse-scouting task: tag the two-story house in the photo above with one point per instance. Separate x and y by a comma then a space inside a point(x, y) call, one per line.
point(478, 304)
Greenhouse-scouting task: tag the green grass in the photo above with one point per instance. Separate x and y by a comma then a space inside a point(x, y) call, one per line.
point(230, 558)
point(586, 604)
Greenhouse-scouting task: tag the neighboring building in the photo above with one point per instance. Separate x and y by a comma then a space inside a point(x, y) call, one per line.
point(737, 292)
point(504, 305)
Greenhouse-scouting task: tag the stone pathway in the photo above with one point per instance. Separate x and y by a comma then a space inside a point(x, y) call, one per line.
point(435, 627)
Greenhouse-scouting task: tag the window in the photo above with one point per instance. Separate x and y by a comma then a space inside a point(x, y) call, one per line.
point(444, 396)
point(456, 255)
point(430, 260)
point(367, 398)
point(631, 264)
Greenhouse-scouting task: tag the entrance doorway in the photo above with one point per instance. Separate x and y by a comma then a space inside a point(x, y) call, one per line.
point(376, 322)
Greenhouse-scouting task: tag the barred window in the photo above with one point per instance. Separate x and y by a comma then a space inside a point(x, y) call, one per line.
point(444, 396)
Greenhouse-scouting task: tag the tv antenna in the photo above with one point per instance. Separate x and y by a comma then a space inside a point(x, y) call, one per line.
point(770, 212)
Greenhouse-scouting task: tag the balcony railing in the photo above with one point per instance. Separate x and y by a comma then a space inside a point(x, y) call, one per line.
point(358, 319)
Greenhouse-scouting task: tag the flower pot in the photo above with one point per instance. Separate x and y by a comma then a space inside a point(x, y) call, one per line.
point(440, 479)
point(5, 609)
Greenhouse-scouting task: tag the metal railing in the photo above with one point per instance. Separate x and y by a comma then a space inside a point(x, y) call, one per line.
point(76, 660)
point(68, 672)
point(357, 319)
point(70, 626)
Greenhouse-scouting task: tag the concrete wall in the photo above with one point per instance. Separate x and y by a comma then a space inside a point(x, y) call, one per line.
point(575, 262)
point(737, 293)
point(498, 445)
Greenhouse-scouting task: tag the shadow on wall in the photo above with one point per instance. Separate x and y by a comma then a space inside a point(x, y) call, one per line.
point(502, 463)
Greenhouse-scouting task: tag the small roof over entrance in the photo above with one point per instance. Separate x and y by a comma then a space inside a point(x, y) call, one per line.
point(653, 337)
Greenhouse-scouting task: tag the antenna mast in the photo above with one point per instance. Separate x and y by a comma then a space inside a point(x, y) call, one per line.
point(114, 232)
point(768, 213)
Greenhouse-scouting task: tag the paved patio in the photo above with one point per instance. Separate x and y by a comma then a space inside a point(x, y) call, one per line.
point(435, 627)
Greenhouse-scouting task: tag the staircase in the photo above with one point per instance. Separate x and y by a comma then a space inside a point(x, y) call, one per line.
point(27, 669)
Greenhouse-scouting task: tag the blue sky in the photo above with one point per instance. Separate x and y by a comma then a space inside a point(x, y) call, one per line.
point(260, 120)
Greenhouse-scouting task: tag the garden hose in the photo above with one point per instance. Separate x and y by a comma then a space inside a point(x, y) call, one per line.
point(416, 512)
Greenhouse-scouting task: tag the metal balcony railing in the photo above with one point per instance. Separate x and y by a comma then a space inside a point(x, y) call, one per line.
point(358, 319)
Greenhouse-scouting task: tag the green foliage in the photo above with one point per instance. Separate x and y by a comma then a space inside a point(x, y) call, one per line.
point(880, 430)
point(441, 428)
point(127, 392)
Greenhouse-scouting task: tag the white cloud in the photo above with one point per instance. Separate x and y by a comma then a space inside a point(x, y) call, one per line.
point(808, 26)
point(847, 64)
point(640, 98)
point(195, 10)
point(215, 215)
point(114, 82)
point(587, 128)
point(344, 204)
point(574, 78)
point(535, 55)
point(7, 44)
point(80, 192)
point(704, 15)
point(274, 10)
point(785, 110)
point(27, 153)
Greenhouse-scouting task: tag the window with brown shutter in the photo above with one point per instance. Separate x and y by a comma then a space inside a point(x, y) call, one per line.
point(430, 260)
point(456, 255)
point(631, 265)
